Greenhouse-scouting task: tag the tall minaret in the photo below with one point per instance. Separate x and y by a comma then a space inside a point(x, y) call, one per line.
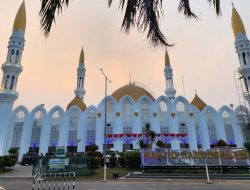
point(170, 90)
point(11, 70)
point(80, 91)
point(242, 47)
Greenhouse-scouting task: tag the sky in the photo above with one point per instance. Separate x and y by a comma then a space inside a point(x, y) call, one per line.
point(203, 53)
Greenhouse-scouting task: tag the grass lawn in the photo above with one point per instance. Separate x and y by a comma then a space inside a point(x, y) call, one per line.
point(98, 173)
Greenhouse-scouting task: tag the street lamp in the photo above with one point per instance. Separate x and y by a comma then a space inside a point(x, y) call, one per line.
point(105, 124)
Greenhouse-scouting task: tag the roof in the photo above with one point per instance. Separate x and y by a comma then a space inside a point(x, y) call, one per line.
point(77, 101)
point(237, 24)
point(133, 91)
point(198, 102)
point(20, 20)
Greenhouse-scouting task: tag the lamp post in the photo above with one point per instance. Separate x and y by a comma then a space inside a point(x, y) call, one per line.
point(105, 124)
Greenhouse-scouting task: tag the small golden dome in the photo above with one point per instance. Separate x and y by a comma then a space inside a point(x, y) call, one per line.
point(77, 102)
point(237, 24)
point(198, 102)
point(20, 20)
point(81, 59)
point(167, 60)
point(133, 91)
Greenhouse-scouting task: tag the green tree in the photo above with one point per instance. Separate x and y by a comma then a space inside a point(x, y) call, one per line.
point(160, 144)
point(142, 14)
point(247, 146)
point(221, 143)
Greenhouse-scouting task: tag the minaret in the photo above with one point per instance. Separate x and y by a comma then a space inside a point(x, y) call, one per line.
point(80, 91)
point(11, 70)
point(242, 47)
point(170, 90)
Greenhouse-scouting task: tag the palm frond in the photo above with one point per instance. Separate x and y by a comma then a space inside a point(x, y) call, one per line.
point(47, 13)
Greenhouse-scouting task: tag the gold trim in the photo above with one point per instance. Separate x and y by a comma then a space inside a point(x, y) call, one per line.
point(173, 114)
point(191, 114)
point(99, 114)
point(155, 114)
point(136, 114)
point(118, 114)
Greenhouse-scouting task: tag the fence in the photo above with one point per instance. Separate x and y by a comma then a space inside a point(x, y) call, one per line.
point(54, 181)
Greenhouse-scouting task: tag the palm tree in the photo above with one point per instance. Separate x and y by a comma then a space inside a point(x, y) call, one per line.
point(142, 14)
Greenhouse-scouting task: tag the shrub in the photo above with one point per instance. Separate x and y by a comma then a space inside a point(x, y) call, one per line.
point(8, 161)
point(247, 146)
point(112, 161)
point(13, 151)
point(221, 143)
point(90, 154)
point(133, 159)
point(159, 143)
point(95, 162)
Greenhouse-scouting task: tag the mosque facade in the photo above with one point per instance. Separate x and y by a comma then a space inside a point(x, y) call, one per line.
point(177, 122)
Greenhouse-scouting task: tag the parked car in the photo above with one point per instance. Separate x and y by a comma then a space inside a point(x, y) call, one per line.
point(28, 158)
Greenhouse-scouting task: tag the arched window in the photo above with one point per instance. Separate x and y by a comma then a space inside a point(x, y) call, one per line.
point(164, 128)
point(12, 82)
point(6, 81)
point(12, 56)
point(72, 138)
point(55, 129)
point(145, 115)
point(210, 117)
point(127, 117)
point(18, 129)
point(228, 128)
point(91, 128)
point(243, 120)
point(17, 56)
point(244, 58)
point(36, 130)
point(110, 117)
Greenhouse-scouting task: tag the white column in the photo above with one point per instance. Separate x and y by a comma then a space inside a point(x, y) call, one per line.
point(26, 136)
point(5, 121)
point(118, 129)
point(136, 128)
point(175, 144)
point(63, 132)
point(82, 130)
point(191, 133)
point(220, 127)
point(237, 132)
point(100, 132)
point(204, 135)
point(45, 135)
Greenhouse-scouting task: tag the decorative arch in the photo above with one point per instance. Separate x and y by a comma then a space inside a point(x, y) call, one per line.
point(225, 108)
point(210, 115)
point(91, 114)
point(54, 109)
point(181, 99)
point(17, 126)
point(125, 98)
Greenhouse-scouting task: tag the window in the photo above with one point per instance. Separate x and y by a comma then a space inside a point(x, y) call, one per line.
point(17, 56)
point(18, 129)
point(145, 115)
point(36, 129)
point(211, 127)
point(6, 81)
point(12, 82)
point(244, 58)
point(127, 115)
point(72, 138)
point(55, 128)
point(91, 128)
point(164, 128)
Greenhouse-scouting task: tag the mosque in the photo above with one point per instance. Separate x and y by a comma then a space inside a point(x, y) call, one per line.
point(177, 122)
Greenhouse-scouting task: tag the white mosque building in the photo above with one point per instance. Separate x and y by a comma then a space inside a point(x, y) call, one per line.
point(177, 122)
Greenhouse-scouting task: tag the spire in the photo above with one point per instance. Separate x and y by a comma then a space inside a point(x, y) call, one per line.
point(20, 20)
point(81, 59)
point(237, 24)
point(167, 60)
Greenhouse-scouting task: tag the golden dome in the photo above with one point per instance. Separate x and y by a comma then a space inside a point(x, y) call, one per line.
point(133, 91)
point(167, 60)
point(237, 24)
point(81, 59)
point(77, 102)
point(197, 102)
point(20, 20)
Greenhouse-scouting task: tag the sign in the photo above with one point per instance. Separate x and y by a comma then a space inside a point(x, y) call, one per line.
point(210, 157)
point(60, 151)
point(58, 163)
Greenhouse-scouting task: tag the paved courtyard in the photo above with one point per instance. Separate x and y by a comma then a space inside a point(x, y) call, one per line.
point(25, 184)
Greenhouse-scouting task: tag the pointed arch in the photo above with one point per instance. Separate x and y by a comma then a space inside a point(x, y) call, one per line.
point(210, 115)
point(91, 114)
